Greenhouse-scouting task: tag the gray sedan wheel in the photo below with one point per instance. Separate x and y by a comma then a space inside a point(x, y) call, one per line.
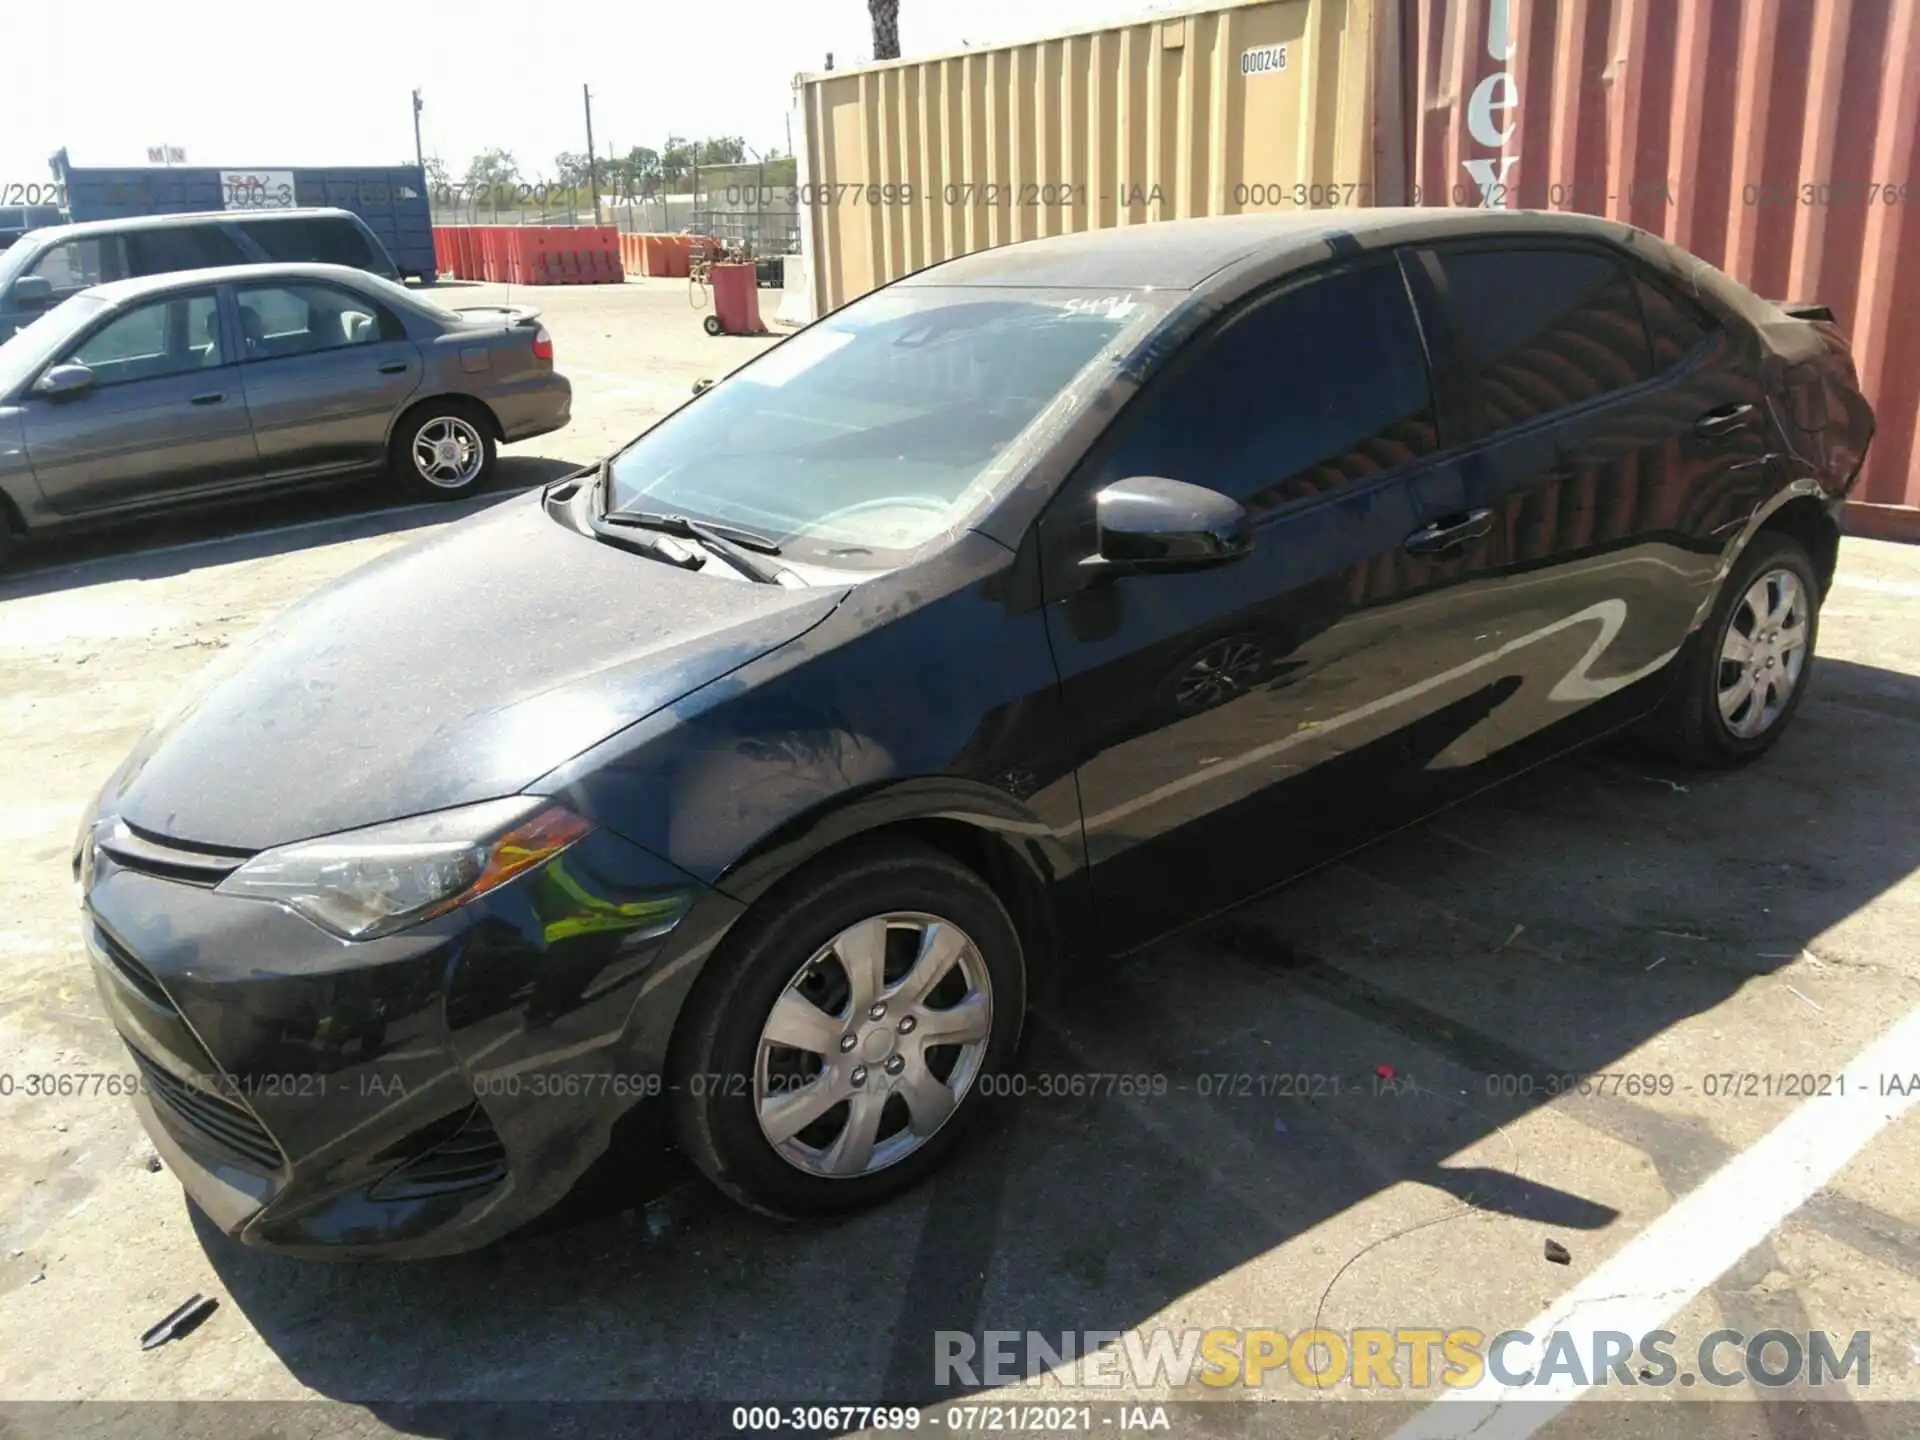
point(443, 450)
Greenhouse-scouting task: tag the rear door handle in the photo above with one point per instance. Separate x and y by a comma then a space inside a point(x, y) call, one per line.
point(1723, 421)
point(1449, 531)
point(212, 397)
point(395, 367)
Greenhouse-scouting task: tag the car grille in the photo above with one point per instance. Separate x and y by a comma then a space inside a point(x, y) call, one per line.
point(468, 1159)
point(137, 976)
point(230, 1125)
point(135, 849)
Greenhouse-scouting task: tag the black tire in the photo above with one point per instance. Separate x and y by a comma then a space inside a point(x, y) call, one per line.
point(1690, 727)
point(8, 544)
point(470, 423)
point(712, 324)
point(716, 1051)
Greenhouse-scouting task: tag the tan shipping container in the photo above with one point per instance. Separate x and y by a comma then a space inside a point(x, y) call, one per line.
point(1248, 107)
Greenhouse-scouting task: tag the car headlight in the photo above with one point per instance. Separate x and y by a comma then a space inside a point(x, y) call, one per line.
point(365, 883)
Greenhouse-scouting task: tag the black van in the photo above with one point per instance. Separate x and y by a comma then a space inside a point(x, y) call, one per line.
point(46, 266)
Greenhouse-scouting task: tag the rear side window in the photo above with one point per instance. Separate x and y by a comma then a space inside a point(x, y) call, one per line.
point(1320, 387)
point(278, 321)
point(331, 241)
point(1673, 326)
point(165, 249)
point(1545, 330)
point(281, 239)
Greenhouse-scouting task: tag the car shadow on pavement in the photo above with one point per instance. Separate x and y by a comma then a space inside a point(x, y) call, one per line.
point(1414, 1001)
point(276, 524)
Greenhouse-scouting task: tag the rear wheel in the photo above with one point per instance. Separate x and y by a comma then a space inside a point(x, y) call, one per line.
point(845, 1038)
point(1748, 667)
point(443, 450)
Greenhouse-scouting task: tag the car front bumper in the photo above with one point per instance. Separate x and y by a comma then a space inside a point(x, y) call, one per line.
point(416, 1095)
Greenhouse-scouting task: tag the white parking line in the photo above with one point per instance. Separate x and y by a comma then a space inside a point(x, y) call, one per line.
point(1656, 1274)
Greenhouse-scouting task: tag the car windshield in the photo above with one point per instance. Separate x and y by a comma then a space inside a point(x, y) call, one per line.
point(33, 344)
point(869, 434)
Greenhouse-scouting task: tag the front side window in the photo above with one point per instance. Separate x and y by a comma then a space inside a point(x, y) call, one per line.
point(79, 265)
point(877, 429)
point(152, 341)
point(1545, 330)
point(339, 242)
point(1317, 388)
point(280, 321)
point(168, 248)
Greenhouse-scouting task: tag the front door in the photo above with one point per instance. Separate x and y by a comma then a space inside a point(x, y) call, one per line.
point(1234, 726)
point(165, 415)
point(326, 370)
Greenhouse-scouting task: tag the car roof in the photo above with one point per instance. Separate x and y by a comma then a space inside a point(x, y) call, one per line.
point(1183, 254)
point(116, 291)
point(81, 229)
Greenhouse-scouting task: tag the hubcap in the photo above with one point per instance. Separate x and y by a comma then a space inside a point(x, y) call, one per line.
point(873, 1044)
point(1218, 673)
point(448, 452)
point(1763, 653)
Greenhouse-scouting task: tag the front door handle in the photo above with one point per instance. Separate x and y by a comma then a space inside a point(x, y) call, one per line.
point(1723, 421)
point(395, 367)
point(1449, 531)
point(212, 397)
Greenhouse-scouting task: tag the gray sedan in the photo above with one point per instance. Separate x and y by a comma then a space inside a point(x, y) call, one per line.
point(179, 388)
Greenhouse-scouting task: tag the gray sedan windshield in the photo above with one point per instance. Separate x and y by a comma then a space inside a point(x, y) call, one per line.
point(876, 430)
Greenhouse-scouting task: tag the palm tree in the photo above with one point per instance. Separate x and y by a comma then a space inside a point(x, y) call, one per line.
point(886, 28)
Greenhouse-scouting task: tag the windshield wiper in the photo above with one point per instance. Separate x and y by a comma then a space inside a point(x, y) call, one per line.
point(731, 544)
point(639, 544)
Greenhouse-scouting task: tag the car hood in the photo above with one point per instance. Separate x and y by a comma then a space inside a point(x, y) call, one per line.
point(456, 670)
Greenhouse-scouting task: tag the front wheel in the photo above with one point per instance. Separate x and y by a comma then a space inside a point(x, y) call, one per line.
point(443, 450)
point(1748, 667)
point(845, 1037)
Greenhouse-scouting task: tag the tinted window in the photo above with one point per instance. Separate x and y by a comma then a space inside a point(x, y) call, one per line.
point(1545, 329)
point(166, 249)
point(327, 241)
point(282, 320)
point(339, 242)
point(78, 264)
point(1673, 326)
point(1319, 387)
point(281, 239)
point(151, 341)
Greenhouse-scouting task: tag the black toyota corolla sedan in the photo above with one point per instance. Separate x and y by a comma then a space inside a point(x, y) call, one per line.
point(1018, 613)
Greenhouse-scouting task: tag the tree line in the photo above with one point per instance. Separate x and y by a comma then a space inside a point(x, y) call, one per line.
point(496, 178)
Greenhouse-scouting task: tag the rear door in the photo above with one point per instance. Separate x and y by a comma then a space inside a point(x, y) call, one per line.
point(1622, 435)
point(165, 416)
point(1233, 726)
point(326, 370)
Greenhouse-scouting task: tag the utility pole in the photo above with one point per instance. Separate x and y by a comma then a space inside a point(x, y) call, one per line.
point(419, 156)
point(593, 162)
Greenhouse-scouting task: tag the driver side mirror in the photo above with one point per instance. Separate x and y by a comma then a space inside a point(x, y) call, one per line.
point(62, 381)
point(1149, 523)
point(32, 292)
point(702, 385)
